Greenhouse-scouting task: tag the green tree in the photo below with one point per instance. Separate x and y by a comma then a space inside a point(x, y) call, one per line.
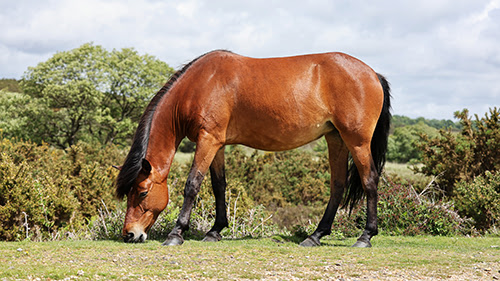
point(461, 157)
point(401, 145)
point(401, 121)
point(90, 94)
point(12, 119)
point(131, 82)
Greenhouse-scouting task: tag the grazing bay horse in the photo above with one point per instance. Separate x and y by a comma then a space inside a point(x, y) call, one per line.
point(274, 104)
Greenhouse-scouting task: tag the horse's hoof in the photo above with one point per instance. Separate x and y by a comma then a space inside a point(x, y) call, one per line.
point(310, 242)
point(362, 244)
point(212, 237)
point(173, 240)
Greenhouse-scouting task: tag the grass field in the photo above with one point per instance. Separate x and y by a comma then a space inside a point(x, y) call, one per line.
point(391, 258)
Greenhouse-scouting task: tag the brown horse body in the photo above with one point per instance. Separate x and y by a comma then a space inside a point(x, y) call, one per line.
point(275, 104)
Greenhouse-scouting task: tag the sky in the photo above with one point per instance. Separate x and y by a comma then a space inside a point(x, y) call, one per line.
point(440, 56)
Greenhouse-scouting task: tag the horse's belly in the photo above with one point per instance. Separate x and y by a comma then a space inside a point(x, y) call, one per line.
point(278, 138)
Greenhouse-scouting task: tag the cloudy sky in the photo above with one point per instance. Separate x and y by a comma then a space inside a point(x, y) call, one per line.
point(440, 55)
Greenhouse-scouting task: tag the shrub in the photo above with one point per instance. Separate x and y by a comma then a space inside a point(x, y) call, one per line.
point(461, 157)
point(274, 180)
point(293, 186)
point(480, 200)
point(402, 211)
point(48, 193)
point(187, 146)
point(278, 179)
point(44, 190)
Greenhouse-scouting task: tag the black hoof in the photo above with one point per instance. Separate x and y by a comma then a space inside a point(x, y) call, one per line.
point(362, 244)
point(212, 236)
point(173, 240)
point(310, 242)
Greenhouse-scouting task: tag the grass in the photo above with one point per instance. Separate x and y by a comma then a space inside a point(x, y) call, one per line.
point(403, 173)
point(391, 257)
point(183, 158)
point(402, 169)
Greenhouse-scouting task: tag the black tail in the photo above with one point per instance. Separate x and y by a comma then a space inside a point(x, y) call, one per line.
point(354, 192)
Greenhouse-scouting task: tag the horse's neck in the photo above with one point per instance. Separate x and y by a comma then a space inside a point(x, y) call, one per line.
point(163, 142)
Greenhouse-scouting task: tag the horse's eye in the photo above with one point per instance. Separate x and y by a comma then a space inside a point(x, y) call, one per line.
point(143, 194)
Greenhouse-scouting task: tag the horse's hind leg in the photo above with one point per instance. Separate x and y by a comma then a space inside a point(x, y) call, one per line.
point(369, 177)
point(337, 156)
point(218, 177)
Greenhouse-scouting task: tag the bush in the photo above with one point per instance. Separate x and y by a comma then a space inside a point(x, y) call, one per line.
point(293, 186)
point(48, 193)
point(480, 200)
point(187, 146)
point(402, 211)
point(461, 157)
point(44, 190)
point(31, 203)
point(278, 179)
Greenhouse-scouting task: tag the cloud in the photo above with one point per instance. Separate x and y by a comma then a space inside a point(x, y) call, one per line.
point(439, 55)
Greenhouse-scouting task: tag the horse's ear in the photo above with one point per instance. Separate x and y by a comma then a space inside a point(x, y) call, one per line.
point(119, 168)
point(146, 167)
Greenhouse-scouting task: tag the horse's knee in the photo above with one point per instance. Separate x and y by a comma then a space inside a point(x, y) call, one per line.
point(193, 184)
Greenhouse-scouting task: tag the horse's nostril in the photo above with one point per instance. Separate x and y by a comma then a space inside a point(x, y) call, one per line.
point(129, 237)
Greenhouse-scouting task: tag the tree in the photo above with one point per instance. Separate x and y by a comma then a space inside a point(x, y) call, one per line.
point(90, 94)
point(9, 85)
point(462, 157)
point(401, 121)
point(401, 145)
point(132, 80)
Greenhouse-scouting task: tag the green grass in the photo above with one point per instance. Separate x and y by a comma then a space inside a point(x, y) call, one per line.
point(183, 158)
point(403, 173)
point(403, 170)
point(413, 257)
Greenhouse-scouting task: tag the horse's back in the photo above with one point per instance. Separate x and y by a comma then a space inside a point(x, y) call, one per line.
point(281, 103)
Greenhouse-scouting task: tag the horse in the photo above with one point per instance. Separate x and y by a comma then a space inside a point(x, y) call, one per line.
point(221, 98)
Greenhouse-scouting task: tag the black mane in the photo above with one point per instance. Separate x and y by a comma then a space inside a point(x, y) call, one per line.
point(132, 166)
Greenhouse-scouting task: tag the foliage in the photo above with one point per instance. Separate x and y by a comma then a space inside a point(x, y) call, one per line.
point(44, 190)
point(89, 94)
point(402, 211)
point(403, 174)
point(9, 85)
point(402, 121)
point(187, 146)
point(480, 200)
point(12, 119)
point(281, 178)
point(401, 144)
point(68, 191)
point(461, 157)
point(265, 179)
point(404, 135)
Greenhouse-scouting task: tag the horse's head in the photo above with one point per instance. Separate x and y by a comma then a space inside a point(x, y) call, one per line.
point(145, 201)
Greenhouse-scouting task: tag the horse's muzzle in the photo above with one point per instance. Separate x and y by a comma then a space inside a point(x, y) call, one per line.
point(132, 238)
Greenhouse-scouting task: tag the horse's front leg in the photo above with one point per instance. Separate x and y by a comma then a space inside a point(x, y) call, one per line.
point(206, 149)
point(218, 177)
